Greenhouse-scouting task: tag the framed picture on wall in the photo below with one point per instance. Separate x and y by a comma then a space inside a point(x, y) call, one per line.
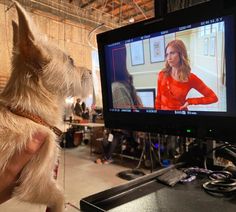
point(157, 49)
point(137, 53)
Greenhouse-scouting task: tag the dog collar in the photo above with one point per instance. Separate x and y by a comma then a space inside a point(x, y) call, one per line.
point(35, 118)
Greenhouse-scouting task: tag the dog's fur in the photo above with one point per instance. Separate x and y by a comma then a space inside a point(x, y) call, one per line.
point(42, 76)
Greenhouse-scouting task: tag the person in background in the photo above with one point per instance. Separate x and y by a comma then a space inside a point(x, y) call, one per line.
point(85, 111)
point(176, 80)
point(8, 179)
point(112, 138)
point(123, 91)
point(78, 110)
point(83, 106)
point(85, 114)
point(109, 143)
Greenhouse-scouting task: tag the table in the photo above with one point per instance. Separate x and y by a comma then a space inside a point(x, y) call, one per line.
point(89, 124)
point(147, 194)
point(92, 131)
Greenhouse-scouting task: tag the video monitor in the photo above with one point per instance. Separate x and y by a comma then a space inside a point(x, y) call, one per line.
point(147, 97)
point(188, 59)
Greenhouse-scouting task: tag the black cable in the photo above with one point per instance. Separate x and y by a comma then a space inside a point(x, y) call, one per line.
point(227, 153)
point(223, 146)
point(221, 183)
point(160, 145)
point(220, 175)
point(150, 150)
point(220, 187)
point(142, 154)
point(218, 147)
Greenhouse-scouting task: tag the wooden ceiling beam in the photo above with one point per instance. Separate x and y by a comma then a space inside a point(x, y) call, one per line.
point(145, 3)
point(85, 5)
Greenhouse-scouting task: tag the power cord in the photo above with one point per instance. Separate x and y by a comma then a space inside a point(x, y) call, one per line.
point(220, 184)
point(220, 187)
point(150, 150)
point(226, 150)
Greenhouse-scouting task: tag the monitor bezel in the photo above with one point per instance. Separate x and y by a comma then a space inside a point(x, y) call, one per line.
point(217, 127)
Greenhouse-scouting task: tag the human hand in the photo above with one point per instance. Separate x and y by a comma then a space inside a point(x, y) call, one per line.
point(8, 179)
point(184, 107)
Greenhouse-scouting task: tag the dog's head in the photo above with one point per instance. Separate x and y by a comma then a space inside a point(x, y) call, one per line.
point(40, 68)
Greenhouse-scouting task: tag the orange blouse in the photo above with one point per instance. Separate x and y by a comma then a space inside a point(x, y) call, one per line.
point(171, 94)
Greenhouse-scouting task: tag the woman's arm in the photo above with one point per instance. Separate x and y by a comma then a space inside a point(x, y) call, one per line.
point(158, 97)
point(209, 95)
point(8, 179)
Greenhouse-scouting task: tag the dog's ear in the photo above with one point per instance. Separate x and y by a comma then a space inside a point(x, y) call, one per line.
point(15, 33)
point(25, 33)
point(24, 37)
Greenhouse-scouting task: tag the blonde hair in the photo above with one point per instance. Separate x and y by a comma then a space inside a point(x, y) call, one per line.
point(184, 68)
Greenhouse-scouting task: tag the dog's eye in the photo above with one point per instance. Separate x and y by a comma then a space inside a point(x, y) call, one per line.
point(71, 61)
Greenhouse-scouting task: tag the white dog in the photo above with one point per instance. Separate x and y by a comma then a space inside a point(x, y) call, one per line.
point(42, 76)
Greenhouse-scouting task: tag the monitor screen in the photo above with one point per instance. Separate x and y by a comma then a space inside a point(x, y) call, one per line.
point(147, 97)
point(189, 64)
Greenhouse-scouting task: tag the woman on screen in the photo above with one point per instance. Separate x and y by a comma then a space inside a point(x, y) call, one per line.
point(123, 91)
point(175, 81)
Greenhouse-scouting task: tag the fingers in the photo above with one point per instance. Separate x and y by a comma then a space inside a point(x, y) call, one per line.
point(9, 177)
point(20, 159)
point(36, 142)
